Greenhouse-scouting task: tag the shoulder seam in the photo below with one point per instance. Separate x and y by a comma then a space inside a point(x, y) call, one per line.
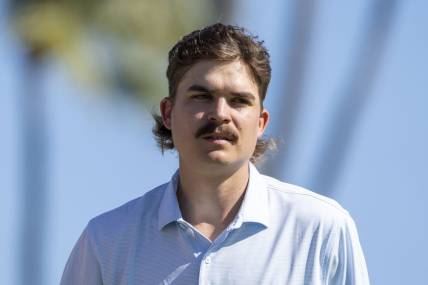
point(312, 195)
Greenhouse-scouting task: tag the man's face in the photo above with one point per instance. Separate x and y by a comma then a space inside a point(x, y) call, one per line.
point(216, 115)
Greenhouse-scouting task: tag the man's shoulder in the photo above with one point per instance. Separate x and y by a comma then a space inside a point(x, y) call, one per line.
point(305, 204)
point(128, 214)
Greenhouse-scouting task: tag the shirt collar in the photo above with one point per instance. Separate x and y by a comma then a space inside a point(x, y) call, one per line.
point(169, 211)
point(254, 208)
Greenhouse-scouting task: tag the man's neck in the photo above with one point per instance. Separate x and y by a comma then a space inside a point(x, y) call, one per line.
point(210, 201)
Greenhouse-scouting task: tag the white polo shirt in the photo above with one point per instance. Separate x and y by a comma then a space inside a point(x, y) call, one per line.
point(282, 234)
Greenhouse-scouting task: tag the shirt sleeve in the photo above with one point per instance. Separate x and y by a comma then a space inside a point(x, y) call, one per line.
point(82, 266)
point(346, 264)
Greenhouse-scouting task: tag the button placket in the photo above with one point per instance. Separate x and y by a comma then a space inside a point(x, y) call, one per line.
point(204, 269)
point(207, 260)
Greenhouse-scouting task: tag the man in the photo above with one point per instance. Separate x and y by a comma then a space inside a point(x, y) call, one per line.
point(219, 221)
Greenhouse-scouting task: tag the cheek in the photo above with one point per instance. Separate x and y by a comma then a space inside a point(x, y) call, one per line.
point(184, 125)
point(199, 115)
point(255, 121)
point(249, 126)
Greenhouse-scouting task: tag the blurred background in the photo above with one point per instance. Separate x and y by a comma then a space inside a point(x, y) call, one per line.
point(79, 80)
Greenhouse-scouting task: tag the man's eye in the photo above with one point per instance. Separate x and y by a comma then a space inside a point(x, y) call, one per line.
point(201, 97)
point(240, 101)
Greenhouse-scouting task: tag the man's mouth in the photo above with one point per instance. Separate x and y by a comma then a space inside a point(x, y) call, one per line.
point(220, 137)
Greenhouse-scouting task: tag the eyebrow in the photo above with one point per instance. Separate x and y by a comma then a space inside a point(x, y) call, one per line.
point(200, 88)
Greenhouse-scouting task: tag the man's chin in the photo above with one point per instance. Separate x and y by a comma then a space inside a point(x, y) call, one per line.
point(219, 157)
point(225, 161)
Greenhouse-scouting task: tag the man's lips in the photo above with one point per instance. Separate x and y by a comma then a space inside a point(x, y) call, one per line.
point(218, 137)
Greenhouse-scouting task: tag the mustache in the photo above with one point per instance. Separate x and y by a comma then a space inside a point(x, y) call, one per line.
point(212, 126)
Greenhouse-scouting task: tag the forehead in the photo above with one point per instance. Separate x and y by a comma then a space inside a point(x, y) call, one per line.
point(230, 76)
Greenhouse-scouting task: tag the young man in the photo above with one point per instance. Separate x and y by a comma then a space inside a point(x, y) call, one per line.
point(219, 221)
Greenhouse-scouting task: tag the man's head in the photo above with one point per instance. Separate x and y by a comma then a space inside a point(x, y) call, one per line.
point(221, 44)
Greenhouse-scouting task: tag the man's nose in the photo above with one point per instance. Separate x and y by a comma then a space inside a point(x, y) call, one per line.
point(219, 111)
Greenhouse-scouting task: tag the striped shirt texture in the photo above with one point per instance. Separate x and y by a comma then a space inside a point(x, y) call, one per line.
point(282, 234)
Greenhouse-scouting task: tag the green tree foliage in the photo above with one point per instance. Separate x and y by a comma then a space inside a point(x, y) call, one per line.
point(111, 43)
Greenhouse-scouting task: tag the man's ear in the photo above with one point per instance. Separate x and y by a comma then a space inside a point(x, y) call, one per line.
point(166, 109)
point(263, 122)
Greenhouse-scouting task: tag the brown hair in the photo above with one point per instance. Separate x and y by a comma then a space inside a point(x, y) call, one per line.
point(222, 43)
